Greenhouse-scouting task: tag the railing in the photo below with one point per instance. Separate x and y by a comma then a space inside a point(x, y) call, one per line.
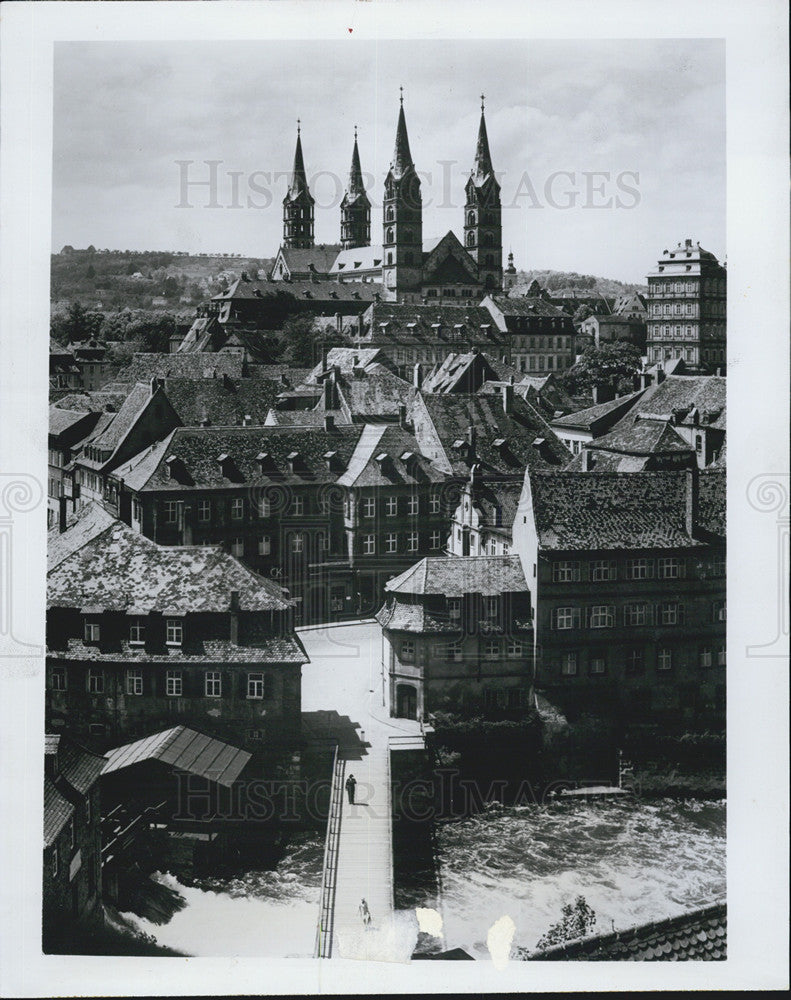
point(122, 836)
point(329, 871)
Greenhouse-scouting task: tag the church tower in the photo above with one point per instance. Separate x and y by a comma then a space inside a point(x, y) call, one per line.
point(355, 207)
point(402, 239)
point(483, 231)
point(298, 205)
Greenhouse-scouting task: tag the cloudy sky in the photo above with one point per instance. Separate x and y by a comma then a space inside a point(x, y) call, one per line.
point(607, 151)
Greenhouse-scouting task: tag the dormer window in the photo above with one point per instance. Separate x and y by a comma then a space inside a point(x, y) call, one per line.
point(294, 459)
point(92, 630)
point(226, 464)
point(264, 461)
point(174, 631)
point(499, 442)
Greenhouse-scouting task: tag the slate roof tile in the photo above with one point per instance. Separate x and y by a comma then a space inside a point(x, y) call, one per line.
point(455, 576)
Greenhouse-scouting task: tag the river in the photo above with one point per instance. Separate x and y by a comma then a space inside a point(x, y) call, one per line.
point(632, 860)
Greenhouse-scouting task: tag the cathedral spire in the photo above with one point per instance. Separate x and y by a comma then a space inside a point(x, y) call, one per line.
point(298, 204)
point(299, 180)
point(355, 186)
point(483, 158)
point(355, 207)
point(402, 158)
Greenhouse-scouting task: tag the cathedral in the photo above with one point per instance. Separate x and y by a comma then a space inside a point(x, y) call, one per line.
point(407, 268)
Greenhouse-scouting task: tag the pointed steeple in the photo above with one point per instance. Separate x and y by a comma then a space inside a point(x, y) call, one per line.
point(402, 158)
point(483, 158)
point(355, 187)
point(299, 180)
point(355, 207)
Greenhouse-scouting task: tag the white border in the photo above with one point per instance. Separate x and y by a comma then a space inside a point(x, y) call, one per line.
point(758, 212)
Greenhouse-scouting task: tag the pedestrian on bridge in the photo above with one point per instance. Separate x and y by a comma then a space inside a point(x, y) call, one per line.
point(365, 913)
point(351, 784)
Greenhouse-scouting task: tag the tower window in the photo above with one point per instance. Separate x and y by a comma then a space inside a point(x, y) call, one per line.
point(390, 235)
point(471, 219)
point(470, 239)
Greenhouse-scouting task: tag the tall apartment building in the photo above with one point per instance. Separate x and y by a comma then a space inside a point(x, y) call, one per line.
point(687, 298)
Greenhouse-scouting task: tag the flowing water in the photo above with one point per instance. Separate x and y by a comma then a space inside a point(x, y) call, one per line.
point(633, 861)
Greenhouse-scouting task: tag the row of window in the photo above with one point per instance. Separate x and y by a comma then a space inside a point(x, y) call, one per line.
point(492, 649)
point(542, 343)
point(604, 615)
point(258, 685)
point(393, 542)
point(674, 309)
point(666, 331)
point(641, 568)
point(540, 363)
point(635, 661)
point(492, 547)
point(389, 506)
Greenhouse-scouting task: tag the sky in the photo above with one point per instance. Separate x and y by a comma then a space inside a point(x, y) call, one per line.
point(608, 152)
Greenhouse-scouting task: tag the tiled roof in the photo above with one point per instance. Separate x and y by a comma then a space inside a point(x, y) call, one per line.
point(620, 510)
point(194, 651)
point(699, 936)
point(498, 503)
point(448, 376)
point(602, 415)
point(185, 750)
point(642, 437)
point(680, 393)
point(527, 306)
point(326, 290)
point(134, 404)
point(117, 569)
point(61, 420)
point(321, 257)
point(57, 812)
point(83, 525)
point(144, 367)
point(375, 395)
point(303, 418)
point(198, 451)
point(393, 442)
point(520, 432)
point(350, 262)
point(454, 576)
point(449, 261)
point(412, 324)
point(220, 401)
point(346, 359)
point(77, 771)
point(100, 400)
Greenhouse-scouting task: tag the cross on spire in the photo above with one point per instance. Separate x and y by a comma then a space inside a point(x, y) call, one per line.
point(402, 95)
point(298, 126)
point(355, 133)
point(482, 100)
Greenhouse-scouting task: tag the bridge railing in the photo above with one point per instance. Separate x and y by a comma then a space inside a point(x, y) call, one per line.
point(329, 870)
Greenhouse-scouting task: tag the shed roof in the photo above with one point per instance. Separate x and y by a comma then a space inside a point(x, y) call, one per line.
point(185, 750)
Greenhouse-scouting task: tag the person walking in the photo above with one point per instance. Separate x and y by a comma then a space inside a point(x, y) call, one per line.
point(365, 913)
point(351, 783)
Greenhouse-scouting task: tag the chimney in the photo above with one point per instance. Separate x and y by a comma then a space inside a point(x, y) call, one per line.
point(329, 391)
point(62, 513)
point(587, 460)
point(471, 441)
point(417, 376)
point(595, 394)
point(402, 421)
point(247, 420)
point(156, 383)
point(508, 398)
point(660, 374)
point(339, 322)
point(329, 422)
point(691, 507)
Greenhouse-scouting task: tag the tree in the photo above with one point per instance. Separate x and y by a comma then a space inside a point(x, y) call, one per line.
point(582, 313)
point(301, 337)
point(77, 324)
point(578, 921)
point(614, 365)
point(91, 272)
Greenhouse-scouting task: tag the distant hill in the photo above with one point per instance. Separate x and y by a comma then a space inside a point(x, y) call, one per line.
point(113, 280)
point(586, 284)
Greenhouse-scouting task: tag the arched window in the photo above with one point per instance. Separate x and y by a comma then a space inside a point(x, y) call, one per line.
point(488, 240)
point(390, 235)
point(390, 215)
point(471, 219)
point(470, 239)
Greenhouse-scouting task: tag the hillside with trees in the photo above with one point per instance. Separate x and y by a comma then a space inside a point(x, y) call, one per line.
point(557, 282)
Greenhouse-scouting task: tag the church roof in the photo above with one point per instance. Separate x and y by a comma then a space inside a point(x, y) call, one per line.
point(355, 189)
point(299, 182)
point(402, 158)
point(482, 169)
point(449, 262)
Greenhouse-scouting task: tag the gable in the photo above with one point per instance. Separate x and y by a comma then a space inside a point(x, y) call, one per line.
point(449, 262)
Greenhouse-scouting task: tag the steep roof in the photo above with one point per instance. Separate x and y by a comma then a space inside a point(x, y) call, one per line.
point(449, 262)
point(299, 259)
point(643, 437)
point(222, 401)
point(482, 168)
point(408, 324)
point(83, 525)
point(622, 510)
point(351, 262)
point(298, 185)
point(346, 359)
point(402, 157)
point(387, 455)
point(504, 442)
point(527, 306)
point(454, 577)
point(197, 451)
point(185, 750)
point(355, 188)
point(679, 394)
point(451, 374)
point(597, 418)
point(498, 503)
point(699, 936)
point(144, 367)
point(77, 771)
point(118, 569)
point(62, 420)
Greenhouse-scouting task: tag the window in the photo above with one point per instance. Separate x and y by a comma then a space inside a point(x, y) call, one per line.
point(669, 568)
point(58, 678)
point(513, 647)
point(298, 506)
point(204, 510)
point(264, 545)
point(264, 507)
point(718, 611)
point(369, 507)
point(237, 546)
point(435, 540)
point(391, 506)
point(492, 607)
point(565, 572)
point(597, 665)
point(134, 681)
point(567, 618)
point(171, 511)
point(237, 509)
point(411, 541)
point(137, 631)
point(95, 681)
point(255, 686)
point(174, 631)
point(602, 569)
point(491, 649)
point(137, 510)
point(454, 608)
point(173, 684)
point(453, 651)
point(671, 614)
point(718, 565)
point(568, 665)
point(412, 506)
point(433, 504)
point(664, 660)
point(369, 545)
point(635, 660)
point(92, 631)
point(391, 542)
point(639, 569)
point(705, 658)
point(721, 656)
point(408, 651)
point(634, 614)
point(212, 684)
point(602, 616)
point(298, 542)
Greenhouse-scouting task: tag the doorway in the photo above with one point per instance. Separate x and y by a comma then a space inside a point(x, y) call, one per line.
point(406, 701)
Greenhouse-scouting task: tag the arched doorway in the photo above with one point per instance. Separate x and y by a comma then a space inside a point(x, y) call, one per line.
point(406, 701)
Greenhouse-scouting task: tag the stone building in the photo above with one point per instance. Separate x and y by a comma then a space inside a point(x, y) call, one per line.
point(687, 304)
point(627, 572)
point(72, 862)
point(141, 637)
point(484, 518)
point(540, 335)
point(458, 636)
